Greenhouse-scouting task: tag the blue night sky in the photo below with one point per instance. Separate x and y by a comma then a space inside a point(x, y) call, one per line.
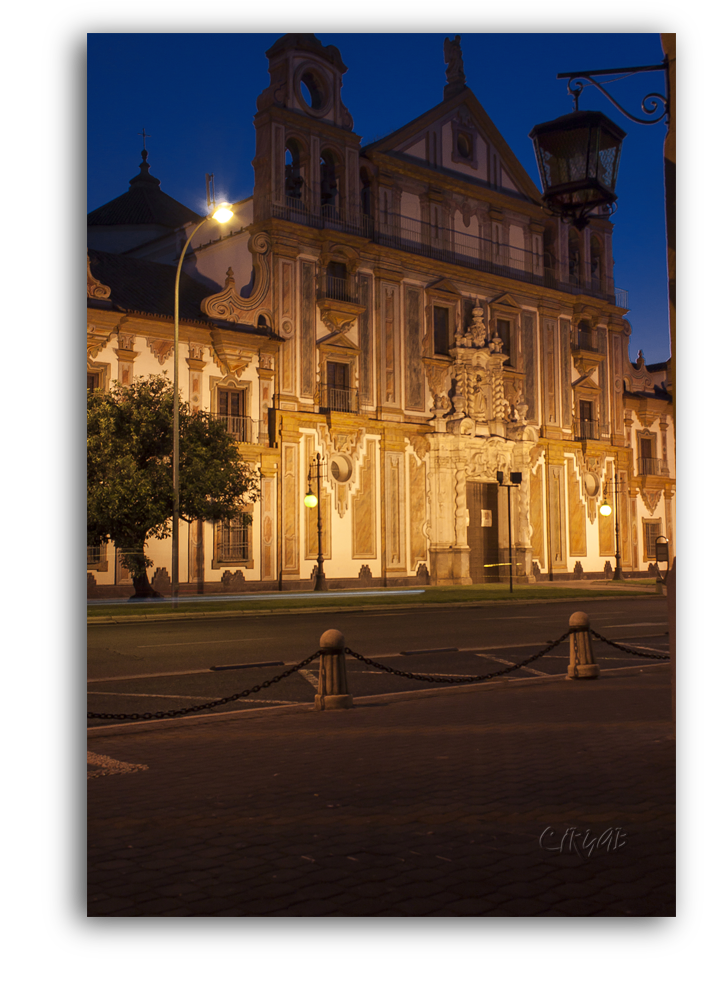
point(195, 94)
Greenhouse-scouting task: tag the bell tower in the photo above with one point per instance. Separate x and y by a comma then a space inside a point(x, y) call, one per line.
point(307, 155)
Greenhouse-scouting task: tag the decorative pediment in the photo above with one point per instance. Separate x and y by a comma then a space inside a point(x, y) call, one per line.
point(229, 304)
point(231, 357)
point(586, 385)
point(639, 379)
point(340, 340)
point(338, 316)
point(444, 287)
point(505, 301)
point(651, 498)
point(96, 339)
point(462, 117)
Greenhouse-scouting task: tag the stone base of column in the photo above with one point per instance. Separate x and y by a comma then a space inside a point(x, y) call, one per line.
point(450, 566)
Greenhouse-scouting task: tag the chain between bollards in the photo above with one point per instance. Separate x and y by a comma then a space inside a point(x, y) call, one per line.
point(332, 679)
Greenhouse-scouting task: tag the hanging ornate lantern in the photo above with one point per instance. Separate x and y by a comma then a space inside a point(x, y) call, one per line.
point(578, 156)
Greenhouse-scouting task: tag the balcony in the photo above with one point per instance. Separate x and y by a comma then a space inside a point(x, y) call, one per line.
point(451, 246)
point(338, 399)
point(243, 429)
point(296, 210)
point(586, 430)
point(337, 289)
point(652, 467)
point(585, 341)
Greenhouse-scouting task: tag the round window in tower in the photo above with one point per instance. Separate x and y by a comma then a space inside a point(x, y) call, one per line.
point(312, 90)
point(591, 484)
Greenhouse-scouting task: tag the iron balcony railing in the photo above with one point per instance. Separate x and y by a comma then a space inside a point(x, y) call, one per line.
point(585, 341)
point(652, 467)
point(451, 246)
point(338, 289)
point(586, 430)
point(339, 399)
point(296, 210)
point(241, 428)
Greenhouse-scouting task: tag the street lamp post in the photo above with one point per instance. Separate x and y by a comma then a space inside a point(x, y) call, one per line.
point(311, 500)
point(515, 478)
point(219, 213)
point(605, 509)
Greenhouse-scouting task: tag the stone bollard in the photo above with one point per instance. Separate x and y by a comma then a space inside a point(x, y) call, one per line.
point(581, 662)
point(332, 679)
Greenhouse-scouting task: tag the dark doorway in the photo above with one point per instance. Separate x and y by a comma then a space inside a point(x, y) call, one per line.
point(483, 536)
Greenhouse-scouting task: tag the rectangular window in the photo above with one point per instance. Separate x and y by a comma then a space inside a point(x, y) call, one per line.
point(97, 557)
point(587, 429)
point(93, 381)
point(232, 542)
point(504, 331)
point(651, 530)
point(232, 413)
point(338, 394)
point(441, 330)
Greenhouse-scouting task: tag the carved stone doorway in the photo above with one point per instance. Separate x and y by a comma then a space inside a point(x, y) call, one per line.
point(483, 532)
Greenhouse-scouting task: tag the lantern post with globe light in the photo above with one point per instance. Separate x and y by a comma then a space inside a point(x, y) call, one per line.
point(311, 500)
point(219, 213)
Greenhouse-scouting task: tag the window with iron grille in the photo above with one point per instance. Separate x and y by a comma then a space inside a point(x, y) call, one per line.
point(651, 530)
point(232, 542)
point(97, 557)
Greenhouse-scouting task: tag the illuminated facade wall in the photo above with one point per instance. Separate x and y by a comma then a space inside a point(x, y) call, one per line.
point(407, 311)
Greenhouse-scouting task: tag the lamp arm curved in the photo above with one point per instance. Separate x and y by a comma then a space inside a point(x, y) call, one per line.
point(650, 104)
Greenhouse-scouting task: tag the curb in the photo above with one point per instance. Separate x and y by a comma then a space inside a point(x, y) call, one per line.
point(199, 615)
point(130, 728)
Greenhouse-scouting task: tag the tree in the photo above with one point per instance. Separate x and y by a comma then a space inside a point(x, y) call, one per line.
point(129, 471)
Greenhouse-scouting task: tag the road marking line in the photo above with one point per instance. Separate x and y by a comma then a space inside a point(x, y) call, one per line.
point(199, 642)
point(141, 694)
point(311, 678)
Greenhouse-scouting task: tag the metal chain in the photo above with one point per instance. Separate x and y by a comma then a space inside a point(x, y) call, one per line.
point(456, 680)
point(176, 713)
point(627, 649)
point(470, 679)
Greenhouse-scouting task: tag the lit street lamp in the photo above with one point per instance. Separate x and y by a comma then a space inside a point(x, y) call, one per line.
point(311, 500)
point(219, 213)
point(605, 509)
point(515, 478)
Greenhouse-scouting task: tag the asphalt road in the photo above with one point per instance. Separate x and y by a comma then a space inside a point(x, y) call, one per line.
point(161, 666)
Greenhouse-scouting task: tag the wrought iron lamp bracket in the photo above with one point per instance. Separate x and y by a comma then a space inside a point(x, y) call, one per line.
point(652, 104)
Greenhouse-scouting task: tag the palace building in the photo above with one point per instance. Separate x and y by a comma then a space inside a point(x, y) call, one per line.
point(406, 310)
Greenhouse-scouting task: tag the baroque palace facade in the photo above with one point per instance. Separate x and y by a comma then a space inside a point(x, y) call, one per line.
point(406, 310)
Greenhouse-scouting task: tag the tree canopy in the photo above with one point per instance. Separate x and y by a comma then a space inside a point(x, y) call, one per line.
point(129, 470)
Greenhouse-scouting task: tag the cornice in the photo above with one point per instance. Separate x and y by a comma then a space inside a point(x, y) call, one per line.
point(313, 126)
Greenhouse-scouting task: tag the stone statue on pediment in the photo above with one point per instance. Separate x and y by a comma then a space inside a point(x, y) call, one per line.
point(477, 332)
point(453, 58)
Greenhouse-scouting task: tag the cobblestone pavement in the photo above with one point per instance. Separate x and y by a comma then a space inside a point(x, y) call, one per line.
point(492, 802)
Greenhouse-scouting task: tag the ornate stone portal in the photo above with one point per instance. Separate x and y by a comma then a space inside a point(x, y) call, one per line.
point(476, 434)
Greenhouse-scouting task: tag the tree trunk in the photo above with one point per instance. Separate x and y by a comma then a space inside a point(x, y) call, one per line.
point(142, 588)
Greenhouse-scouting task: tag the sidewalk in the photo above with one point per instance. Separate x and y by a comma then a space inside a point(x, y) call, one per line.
point(308, 602)
point(465, 803)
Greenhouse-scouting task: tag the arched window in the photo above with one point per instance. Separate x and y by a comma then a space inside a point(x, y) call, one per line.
point(329, 188)
point(365, 192)
point(293, 172)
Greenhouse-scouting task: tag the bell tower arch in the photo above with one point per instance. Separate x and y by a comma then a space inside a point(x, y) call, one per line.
point(307, 156)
